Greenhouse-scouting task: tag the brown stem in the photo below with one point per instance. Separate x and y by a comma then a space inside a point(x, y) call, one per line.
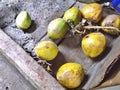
point(101, 27)
point(44, 62)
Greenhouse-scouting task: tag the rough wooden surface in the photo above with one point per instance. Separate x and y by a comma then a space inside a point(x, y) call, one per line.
point(11, 78)
point(70, 51)
point(102, 68)
point(42, 12)
point(95, 69)
point(113, 77)
point(26, 65)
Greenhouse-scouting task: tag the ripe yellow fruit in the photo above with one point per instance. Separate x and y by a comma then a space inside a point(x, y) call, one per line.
point(93, 44)
point(23, 20)
point(57, 28)
point(92, 12)
point(73, 14)
point(111, 20)
point(70, 75)
point(46, 50)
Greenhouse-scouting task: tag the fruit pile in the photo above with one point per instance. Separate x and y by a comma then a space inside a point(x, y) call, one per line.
point(85, 23)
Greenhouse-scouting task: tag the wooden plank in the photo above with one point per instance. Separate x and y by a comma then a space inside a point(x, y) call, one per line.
point(11, 78)
point(73, 53)
point(116, 87)
point(70, 51)
point(113, 77)
point(95, 69)
point(26, 65)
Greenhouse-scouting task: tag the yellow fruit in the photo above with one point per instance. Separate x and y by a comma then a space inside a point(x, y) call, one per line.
point(23, 20)
point(70, 75)
point(93, 44)
point(57, 28)
point(73, 14)
point(46, 50)
point(111, 20)
point(92, 12)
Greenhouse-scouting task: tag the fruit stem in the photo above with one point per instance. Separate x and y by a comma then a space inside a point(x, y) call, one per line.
point(70, 23)
point(44, 62)
point(81, 29)
point(101, 27)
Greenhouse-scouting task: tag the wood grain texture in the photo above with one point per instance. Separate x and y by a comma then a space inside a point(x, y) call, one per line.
point(26, 65)
point(11, 78)
point(113, 77)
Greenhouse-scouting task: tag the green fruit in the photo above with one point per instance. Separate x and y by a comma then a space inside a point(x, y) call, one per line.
point(23, 20)
point(73, 14)
point(57, 28)
point(46, 50)
point(93, 44)
point(70, 75)
point(111, 20)
point(92, 11)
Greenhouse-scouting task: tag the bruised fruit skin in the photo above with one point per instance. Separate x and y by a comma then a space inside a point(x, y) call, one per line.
point(111, 20)
point(46, 50)
point(23, 20)
point(73, 14)
point(70, 75)
point(93, 44)
point(57, 28)
point(92, 12)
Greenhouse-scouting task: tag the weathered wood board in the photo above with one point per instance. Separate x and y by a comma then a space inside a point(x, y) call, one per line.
point(113, 77)
point(11, 78)
point(31, 70)
point(42, 12)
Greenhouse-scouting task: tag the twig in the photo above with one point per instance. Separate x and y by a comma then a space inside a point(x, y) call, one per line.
point(49, 69)
point(44, 62)
point(101, 27)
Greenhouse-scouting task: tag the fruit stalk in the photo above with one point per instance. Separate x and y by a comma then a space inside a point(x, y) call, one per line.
point(81, 29)
point(101, 27)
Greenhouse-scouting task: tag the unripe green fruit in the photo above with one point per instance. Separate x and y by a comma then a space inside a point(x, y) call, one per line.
point(111, 20)
point(93, 44)
point(23, 20)
point(57, 28)
point(73, 14)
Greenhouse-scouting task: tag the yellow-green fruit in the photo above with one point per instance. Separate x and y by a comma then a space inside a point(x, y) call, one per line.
point(93, 44)
point(70, 75)
point(23, 20)
point(57, 28)
point(46, 50)
point(111, 20)
point(73, 14)
point(92, 12)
